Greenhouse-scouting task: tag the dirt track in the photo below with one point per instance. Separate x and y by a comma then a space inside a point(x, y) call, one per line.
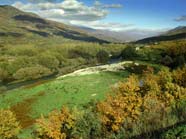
point(92, 70)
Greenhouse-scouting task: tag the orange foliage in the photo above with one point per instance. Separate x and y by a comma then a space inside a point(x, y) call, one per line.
point(152, 95)
point(56, 126)
point(125, 105)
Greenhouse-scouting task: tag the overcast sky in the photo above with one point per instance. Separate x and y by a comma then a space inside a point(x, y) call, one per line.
point(117, 15)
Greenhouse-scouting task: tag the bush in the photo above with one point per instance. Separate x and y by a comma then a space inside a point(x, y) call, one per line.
point(178, 132)
point(180, 110)
point(180, 61)
point(167, 61)
point(58, 125)
point(179, 77)
point(3, 75)
point(137, 108)
point(102, 56)
point(9, 127)
point(137, 69)
point(2, 89)
point(88, 125)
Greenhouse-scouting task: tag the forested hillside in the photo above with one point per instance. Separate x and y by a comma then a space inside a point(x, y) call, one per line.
point(33, 47)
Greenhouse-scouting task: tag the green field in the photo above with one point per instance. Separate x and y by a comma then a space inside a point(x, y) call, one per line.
point(31, 101)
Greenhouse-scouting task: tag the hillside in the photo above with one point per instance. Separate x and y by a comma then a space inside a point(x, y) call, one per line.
point(173, 34)
point(122, 36)
point(177, 30)
point(22, 26)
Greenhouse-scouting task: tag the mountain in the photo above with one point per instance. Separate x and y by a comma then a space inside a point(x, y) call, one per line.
point(121, 36)
point(177, 30)
point(173, 34)
point(23, 26)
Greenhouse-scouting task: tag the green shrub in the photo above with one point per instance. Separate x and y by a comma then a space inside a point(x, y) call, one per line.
point(88, 126)
point(178, 132)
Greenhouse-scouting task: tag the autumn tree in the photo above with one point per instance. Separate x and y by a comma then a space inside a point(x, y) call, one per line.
point(57, 125)
point(9, 127)
point(179, 76)
point(123, 107)
point(144, 104)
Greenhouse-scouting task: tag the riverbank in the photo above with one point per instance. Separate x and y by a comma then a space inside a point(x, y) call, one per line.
point(117, 66)
point(97, 69)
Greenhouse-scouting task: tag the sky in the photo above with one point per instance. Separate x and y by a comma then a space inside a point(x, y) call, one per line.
point(114, 15)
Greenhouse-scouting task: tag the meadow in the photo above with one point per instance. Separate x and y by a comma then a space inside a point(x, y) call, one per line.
point(30, 102)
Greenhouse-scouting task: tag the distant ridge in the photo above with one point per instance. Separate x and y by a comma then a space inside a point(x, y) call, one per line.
point(177, 30)
point(173, 34)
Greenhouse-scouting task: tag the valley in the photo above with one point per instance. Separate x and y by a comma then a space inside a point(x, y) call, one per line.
point(60, 80)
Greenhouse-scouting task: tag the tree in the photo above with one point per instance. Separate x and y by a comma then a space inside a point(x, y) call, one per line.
point(9, 127)
point(48, 60)
point(88, 125)
point(102, 56)
point(179, 76)
point(121, 108)
point(167, 60)
point(3, 75)
point(180, 61)
point(58, 125)
point(129, 52)
point(30, 73)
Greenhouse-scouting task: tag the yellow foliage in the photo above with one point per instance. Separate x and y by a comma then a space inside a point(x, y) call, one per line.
point(9, 127)
point(152, 95)
point(56, 125)
point(125, 105)
point(179, 76)
point(132, 85)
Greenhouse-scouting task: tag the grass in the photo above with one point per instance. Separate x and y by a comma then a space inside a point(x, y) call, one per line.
point(30, 103)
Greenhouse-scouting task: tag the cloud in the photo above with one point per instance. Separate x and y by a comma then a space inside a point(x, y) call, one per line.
point(73, 12)
point(113, 6)
point(181, 18)
point(103, 25)
point(99, 4)
point(39, 1)
point(66, 10)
